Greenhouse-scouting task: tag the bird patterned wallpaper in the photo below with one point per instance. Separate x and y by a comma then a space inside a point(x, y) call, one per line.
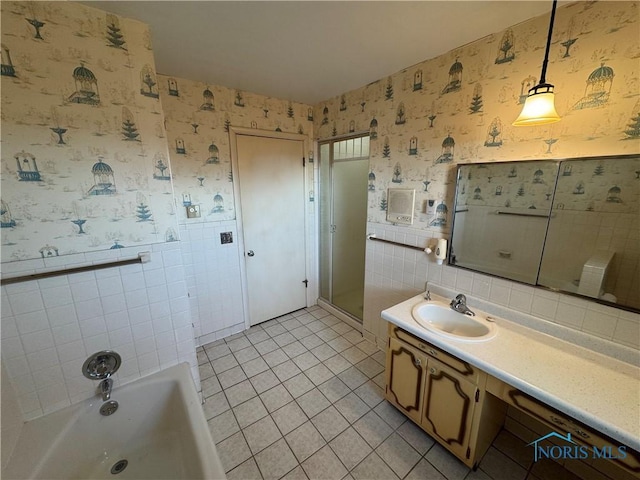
point(85, 164)
point(524, 185)
point(83, 124)
point(198, 117)
point(597, 185)
point(458, 107)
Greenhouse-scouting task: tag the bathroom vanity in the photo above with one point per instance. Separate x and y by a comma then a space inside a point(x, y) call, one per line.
point(457, 385)
point(443, 394)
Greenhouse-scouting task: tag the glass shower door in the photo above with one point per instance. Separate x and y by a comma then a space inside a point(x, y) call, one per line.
point(344, 169)
point(348, 242)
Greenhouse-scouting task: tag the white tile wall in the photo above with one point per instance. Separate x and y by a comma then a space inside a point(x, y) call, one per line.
point(392, 274)
point(388, 281)
point(212, 279)
point(605, 231)
point(50, 326)
point(11, 417)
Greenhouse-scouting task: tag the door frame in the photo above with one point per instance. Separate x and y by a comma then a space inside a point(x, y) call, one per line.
point(309, 213)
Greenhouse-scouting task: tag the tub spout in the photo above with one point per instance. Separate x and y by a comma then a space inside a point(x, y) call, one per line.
point(105, 389)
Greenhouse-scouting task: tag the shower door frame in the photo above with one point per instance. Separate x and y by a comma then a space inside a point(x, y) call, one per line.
point(327, 302)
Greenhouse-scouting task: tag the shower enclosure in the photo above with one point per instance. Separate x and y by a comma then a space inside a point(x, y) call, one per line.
point(343, 177)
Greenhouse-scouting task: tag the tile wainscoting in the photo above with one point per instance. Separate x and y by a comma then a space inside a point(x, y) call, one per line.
point(394, 274)
point(50, 326)
point(213, 279)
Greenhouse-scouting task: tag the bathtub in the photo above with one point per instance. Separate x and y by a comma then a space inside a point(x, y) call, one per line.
point(159, 428)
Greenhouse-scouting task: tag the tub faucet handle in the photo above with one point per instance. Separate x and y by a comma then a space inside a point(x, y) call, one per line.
point(101, 365)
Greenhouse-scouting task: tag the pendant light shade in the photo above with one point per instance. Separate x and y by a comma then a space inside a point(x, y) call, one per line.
point(539, 107)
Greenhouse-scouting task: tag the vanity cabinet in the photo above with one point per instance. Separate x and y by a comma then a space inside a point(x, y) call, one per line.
point(443, 395)
point(548, 395)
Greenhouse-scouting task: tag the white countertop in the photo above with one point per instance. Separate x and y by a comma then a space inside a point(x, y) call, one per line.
point(597, 390)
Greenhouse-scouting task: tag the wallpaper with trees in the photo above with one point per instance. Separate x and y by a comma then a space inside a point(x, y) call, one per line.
point(198, 117)
point(85, 164)
point(459, 106)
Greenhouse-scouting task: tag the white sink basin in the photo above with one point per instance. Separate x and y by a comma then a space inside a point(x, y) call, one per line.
point(440, 319)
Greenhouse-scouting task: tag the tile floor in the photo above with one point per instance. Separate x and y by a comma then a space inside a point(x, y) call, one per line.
point(301, 397)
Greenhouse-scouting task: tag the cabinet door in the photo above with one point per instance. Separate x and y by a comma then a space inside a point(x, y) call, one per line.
point(449, 404)
point(405, 378)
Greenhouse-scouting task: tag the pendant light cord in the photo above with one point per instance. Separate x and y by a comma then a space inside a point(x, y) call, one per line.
point(543, 74)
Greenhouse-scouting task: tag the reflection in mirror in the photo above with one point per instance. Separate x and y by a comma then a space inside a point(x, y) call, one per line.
point(501, 216)
point(593, 243)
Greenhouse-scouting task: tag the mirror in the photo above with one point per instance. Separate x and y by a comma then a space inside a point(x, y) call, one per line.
point(501, 216)
point(593, 243)
point(571, 225)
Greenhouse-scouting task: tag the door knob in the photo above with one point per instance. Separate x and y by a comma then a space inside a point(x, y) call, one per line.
point(250, 253)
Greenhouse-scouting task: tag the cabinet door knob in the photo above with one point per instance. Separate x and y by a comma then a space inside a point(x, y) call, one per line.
point(433, 353)
point(432, 371)
point(417, 362)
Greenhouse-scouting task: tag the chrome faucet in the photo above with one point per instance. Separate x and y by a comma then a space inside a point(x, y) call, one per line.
point(105, 388)
point(100, 366)
point(459, 304)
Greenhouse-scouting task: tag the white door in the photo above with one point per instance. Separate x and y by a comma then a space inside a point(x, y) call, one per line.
point(271, 184)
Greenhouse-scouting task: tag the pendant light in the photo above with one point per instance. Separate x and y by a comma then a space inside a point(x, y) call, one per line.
point(539, 107)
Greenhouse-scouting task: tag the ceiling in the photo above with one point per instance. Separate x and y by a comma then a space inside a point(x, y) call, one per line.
point(309, 51)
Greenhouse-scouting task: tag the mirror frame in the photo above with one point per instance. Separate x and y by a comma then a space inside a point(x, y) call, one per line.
point(559, 162)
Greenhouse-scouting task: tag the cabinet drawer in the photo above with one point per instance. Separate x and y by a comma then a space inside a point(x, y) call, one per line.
point(580, 433)
point(470, 373)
